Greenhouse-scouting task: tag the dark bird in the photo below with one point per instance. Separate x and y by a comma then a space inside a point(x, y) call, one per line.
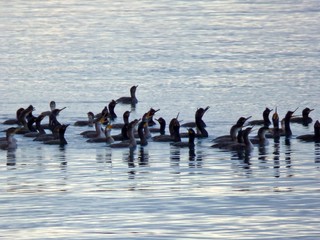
point(89, 122)
point(9, 142)
point(233, 131)
point(265, 121)
point(190, 143)
point(61, 139)
point(129, 100)
point(14, 121)
point(312, 137)
point(305, 119)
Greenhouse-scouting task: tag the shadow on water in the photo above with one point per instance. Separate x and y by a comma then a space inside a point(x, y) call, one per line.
point(11, 157)
point(317, 152)
point(244, 157)
point(129, 158)
point(195, 159)
point(143, 157)
point(62, 158)
point(287, 153)
point(276, 158)
point(262, 155)
point(175, 159)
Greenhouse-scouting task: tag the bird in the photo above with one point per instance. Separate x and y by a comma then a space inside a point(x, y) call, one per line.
point(14, 121)
point(151, 122)
point(261, 139)
point(315, 137)
point(23, 119)
point(232, 137)
point(98, 132)
point(88, 122)
point(305, 119)
point(172, 136)
point(199, 113)
point(236, 146)
point(162, 128)
point(285, 130)
point(9, 142)
point(100, 138)
point(125, 118)
point(61, 139)
point(111, 106)
point(129, 100)
point(189, 143)
point(39, 128)
point(52, 105)
point(200, 124)
point(265, 121)
point(131, 143)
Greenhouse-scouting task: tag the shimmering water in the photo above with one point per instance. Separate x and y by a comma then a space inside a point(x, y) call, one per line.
point(237, 57)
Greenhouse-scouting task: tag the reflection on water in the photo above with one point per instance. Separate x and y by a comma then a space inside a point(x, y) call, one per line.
point(143, 157)
point(276, 159)
point(317, 152)
point(11, 158)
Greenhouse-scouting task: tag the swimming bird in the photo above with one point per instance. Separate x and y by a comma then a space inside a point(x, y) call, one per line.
point(190, 144)
point(129, 100)
point(23, 117)
point(312, 137)
point(172, 135)
point(100, 138)
point(9, 142)
point(98, 133)
point(141, 133)
point(125, 118)
point(152, 112)
point(232, 137)
point(61, 139)
point(305, 119)
point(200, 124)
point(131, 143)
point(198, 114)
point(53, 121)
point(285, 129)
point(236, 146)
point(52, 105)
point(261, 139)
point(39, 128)
point(112, 114)
point(88, 122)
point(162, 128)
point(14, 121)
point(265, 121)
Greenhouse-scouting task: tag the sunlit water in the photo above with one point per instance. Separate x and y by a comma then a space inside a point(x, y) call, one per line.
point(237, 57)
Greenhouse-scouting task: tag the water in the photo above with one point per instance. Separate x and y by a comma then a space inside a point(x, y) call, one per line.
point(237, 57)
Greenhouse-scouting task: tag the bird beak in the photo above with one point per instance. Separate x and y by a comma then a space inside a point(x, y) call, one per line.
point(295, 110)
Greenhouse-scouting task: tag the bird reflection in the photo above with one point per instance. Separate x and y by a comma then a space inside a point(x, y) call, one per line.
point(276, 159)
point(131, 165)
point(244, 156)
point(143, 157)
point(11, 157)
point(175, 157)
point(195, 159)
point(288, 156)
point(317, 152)
point(262, 155)
point(62, 157)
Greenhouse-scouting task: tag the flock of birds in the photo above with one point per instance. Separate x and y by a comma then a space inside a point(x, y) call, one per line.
point(138, 131)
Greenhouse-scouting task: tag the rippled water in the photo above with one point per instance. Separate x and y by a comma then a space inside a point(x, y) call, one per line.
point(237, 57)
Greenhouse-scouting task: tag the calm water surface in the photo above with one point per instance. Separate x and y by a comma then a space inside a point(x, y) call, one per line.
point(237, 57)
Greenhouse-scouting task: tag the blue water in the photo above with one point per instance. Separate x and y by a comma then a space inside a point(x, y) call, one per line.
point(237, 57)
